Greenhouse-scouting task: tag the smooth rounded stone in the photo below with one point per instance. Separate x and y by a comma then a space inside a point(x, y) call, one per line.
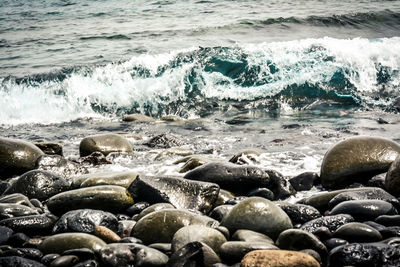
point(392, 181)
point(223, 196)
point(137, 118)
point(262, 192)
point(17, 157)
point(61, 242)
point(375, 225)
point(104, 143)
point(388, 220)
point(123, 179)
point(65, 261)
point(131, 254)
point(131, 239)
point(209, 236)
point(220, 212)
point(280, 186)
point(38, 184)
point(332, 243)
point(31, 224)
point(15, 210)
point(304, 181)
point(332, 222)
point(105, 197)
point(313, 254)
point(88, 263)
point(16, 198)
point(106, 234)
point(295, 239)
point(160, 226)
point(163, 247)
point(390, 231)
point(235, 200)
point(250, 236)
point(125, 227)
point(323, 233)
point(153, 208)
point(257, 214)
point(17, 239)
point(223, 230)
point(59, 165)
point(364, 210)
point(137, 208)
point(85, 221)
point(194, 254)
point(36, 203)
point(368, 193)
point(14, 261)
point(299, 213)
point(234, 251)
point(193, 161)
point(245, 157)
point(181, 193)
point(82, 253)
point(357, 232)
point(278, 258)
point(235, 178)
point(28, 253)
point(47, 259)
point(50, 148)
point(356, 159)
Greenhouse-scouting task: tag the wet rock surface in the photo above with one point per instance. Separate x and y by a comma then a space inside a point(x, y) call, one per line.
point(104, 143)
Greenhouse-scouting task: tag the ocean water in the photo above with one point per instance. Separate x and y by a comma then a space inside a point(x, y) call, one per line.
point(286, 78)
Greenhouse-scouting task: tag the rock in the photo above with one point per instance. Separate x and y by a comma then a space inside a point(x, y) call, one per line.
point(125, 227)
point(234, 251)
point(278, 258)
point(28, 253)
point(209, 236)
point(65, 261)
point(304, 181)
point(66, 241)
point(164, 141)
point(390, 231)
point(18, 240)
point(299, 213)
point(323, 233)
point(223, 197)
point(262, 192)
point(160, 226)
point(131, 254)
point(137, 208)
point(163, 247)
point(257, 214)
point(193, 162)
point(331, 222)
point(152, 208)
point(194, 254)
point(123, 179)
point(106, 234)
point(388, 220)
point(364, 210)
point(38, 184)
point(137, 118)
point(183, 194)
point(47, 259)
point(82, 253)
point(88, 263)
point(296, 239)
point(50, 148)
point(17, 157)
point(16, 198)
point(235, 200)
point(357, 232)
point(392, 181)
point(85, 221)
point(235, 178)
point(106, 197)
point(95, 159)
point(245, 157)
point(59, 165)
point(250, 236)
point(31, 224)
point(171, 118)
point(104, 143)
point(15, 210)
point(357, 159)
point(19, 261)
point(220, 212)
point(3, 186)
point(279, 185)
point(332, 243)
point(313, 254)
point(5, 234)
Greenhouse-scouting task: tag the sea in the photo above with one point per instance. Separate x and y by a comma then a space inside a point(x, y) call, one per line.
point(288, 79)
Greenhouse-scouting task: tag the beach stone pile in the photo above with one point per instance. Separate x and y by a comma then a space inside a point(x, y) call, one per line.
point(219, 213)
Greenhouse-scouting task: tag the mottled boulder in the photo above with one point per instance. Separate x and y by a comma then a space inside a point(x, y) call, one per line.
point(299, 213)
point(392, 181)
point(357, 159)
point(131, 254)
point(304, 181)
point(331, 222)
point(31, 224)
point(160, 226)
point(66, 241)
point(104, 143)
point(257, 214)
point(194, 254)
point(164, 141)
point(13, 261)
point(17, 157)
point(364, 210)
point(234, 251)
point(38, 184)
point(245, 157)
point(107, 197)
point(357, 232)
point(15, 210)
point(278, 258)
point(123, 179)
point(85, 221)
point(137, 118)
point(182, 193)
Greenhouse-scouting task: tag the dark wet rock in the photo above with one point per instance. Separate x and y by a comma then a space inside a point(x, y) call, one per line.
point(164, 141)
point(181, 193)
point(245, 157)
point(234, 251)
point(8, 210)
point(262, 192)
point(235, 178)
point(28, 253)
point(330, 222)
point(209, 236)
point(123, 179)
point(31, 224)
point(235, 200)
point(223, 197)
point(36, 203)
point(257, 214)
point(295, 239)
point(125, 228)
point(106, 234)
point(124, 254)
point(192, 162)
point(104, 143)
point(323, 233)
point(59, 165)
point(137, 118)
point(5, 234)
point(390, 231)
point(392, 181)
point(304, 181)
point(137, 208)
point(38, 184)
point(16, 199)
point(313, 254)
point(194, 254)
point(279, 185)
point(163, 247)
point(18, 239)
point(65, 261)
point(50, 148)
point(94, 159)
point(357, 232)
point(3, 186)
point(357, 159)
point(377, 181)
point(388, 220)
point(278, 258)
point(47, 259)
point(17, 157)
point(375, 225)
point(82, 253)
point(364, 210)
point(106, 197)
point(160, 226)
point(332, 243)
point(131, 239)
point(66, 241)
point(88, 263)
point(250, 236)
point(14, 261)
point(220, 212)
point(152, 208)
point(85, 221)
point(299, 213)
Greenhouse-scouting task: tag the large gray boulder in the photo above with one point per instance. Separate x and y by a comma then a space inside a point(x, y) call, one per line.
point(104, 143)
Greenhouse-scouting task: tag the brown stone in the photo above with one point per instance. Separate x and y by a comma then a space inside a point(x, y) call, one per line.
point(106, 234)
point(278, 258)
